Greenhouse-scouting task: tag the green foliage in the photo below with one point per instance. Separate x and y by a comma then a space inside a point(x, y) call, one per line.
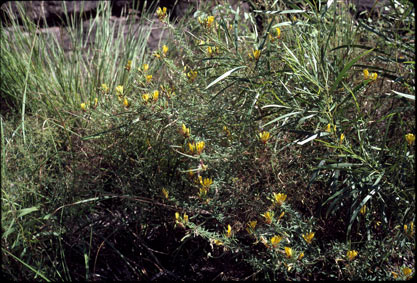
point(247, 139)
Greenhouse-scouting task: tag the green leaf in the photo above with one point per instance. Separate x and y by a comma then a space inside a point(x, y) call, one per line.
point(225, 75)
point(349, 65)
point(26, 211)
point(282, 117)
point(409, 96)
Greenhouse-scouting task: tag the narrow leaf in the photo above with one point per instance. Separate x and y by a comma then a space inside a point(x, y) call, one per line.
point(225, 75)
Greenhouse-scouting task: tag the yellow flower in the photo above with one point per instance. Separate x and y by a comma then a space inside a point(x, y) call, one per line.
point(363, 210)
point(281, 215)
point(342, 137)
point(165, 193)
point(209, 50)
point(206, 182)
point(83, 106)
point(301, 256)
point(218, 243)
point(191, 147)
point(105, 88)
point(145, 67)
point(209, 21)
point(251, 226)
point(156, 55)
point(119, 90)
point(308, 237)
point(366, 74)
point(329, 128)
point(351, 254)
point(148, 78)
point(192, 75)
point(269, 215)
point(229, 231)
point(203, 192)
point(126, 102)
point(155, 95)
point(411, 232)
point(128, 65)
point(185, 218)
point(145, 97)
point(279, 198)
point(278, 35)
point(407, 271)
point(161, 13)
point(410, 138)
point(278, 32)
point(185, 131)
point(199, 147)
point(288, 252)
point(177, 216)
point(275, 240)
point(394, 274)
point(256, 54)
point(264, 136)
point(164, 50)
point(95, 102)
point(226, 131)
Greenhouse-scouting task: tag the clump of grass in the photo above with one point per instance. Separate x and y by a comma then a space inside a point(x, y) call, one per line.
point(240, 143)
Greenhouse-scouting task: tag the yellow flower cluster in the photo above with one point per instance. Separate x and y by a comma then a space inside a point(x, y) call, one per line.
point(145, 97)
point(180, 221)
point(308, 237)
point(410, 138)
point(161, 13)
point(251, 226)
point(185, 131)
point(264, 136)
point(164, 52)
point(330, 129)
point(275, 240)
point(145, 67)
point(165, 193)
point(269, 216)
point(351, 254)
point(207, 22)
point(205, 183)
point(363, 210)
point(256, 54)
point(192, 75)
point(279, 198)
point(342, 137)
point(84, 105)
point(276, 36)
point(229, 231)
point(105, 88)
point(148, 78)
point(128, 65)
point(367, 76)
point(410, 231)
point(288, 252)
